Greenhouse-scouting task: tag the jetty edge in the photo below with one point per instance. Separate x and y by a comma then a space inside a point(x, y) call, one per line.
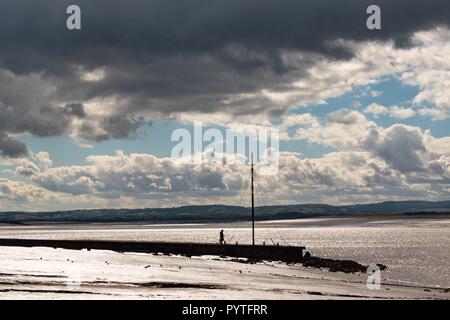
point(254, 252)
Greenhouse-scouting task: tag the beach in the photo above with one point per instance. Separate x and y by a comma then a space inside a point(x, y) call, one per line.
point(418, 266)
point(46, 273)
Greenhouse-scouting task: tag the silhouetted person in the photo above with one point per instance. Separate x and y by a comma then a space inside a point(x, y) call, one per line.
point(221, 237)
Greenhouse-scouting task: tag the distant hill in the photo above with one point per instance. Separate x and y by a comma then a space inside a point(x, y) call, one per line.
point(228, 213)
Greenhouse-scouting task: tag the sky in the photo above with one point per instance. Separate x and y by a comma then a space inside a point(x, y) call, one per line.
point(87, 116)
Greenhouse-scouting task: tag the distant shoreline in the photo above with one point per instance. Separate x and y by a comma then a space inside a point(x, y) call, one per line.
point(385, 216)
point(223, 213)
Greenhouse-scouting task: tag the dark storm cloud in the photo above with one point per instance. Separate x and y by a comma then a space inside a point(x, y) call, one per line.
point(402, 147)
point(114, 127)
point(49, 121)
point(34, 37)
point(145, 29)
point(43, 121)
point(75, 109)
point(9, 147)
point(173, 56)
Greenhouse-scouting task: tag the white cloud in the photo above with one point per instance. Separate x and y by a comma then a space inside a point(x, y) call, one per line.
point(401, 113)
point(376, 109)
point(399, 162)
point(403, 147)
point(395, 111)
point(343, 129)
point(435, 113)
point(16, 194)
point(375, 93)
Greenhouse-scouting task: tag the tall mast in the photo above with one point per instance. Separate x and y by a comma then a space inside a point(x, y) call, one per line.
point(253, 207)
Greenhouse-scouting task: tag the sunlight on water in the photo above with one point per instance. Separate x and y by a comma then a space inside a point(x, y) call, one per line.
point(414, 254)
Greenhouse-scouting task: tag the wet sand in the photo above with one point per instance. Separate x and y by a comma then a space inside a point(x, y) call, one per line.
point(46, 273)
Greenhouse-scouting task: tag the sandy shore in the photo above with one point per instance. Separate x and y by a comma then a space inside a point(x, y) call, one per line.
point(45, 273)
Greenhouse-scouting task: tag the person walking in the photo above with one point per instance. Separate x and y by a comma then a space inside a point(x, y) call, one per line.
point(221, 237)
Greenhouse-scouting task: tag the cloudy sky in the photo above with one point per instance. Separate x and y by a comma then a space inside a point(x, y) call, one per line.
point(86, 116)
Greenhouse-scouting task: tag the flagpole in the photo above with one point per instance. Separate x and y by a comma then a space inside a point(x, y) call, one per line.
point(253, 207)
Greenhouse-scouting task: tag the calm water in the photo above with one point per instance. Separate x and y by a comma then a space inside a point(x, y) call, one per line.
point(416, 251)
